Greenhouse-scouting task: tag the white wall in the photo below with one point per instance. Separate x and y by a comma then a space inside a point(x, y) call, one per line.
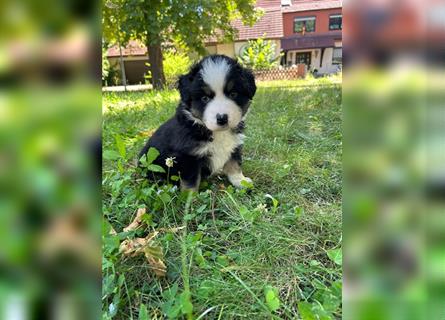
point(211, 49)
point(328, 66)
point(327, 61)
point(315, 60)
point(226, 49)
point(233, 49)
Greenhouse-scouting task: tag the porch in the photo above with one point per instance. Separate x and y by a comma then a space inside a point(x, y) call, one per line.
point(319, 53)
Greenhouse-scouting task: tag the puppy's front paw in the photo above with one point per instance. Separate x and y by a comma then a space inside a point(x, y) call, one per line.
point(189, 187)
point(237, 181)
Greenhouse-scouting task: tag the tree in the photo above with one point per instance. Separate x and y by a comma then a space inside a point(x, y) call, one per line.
point(105, 65)
point(259, 54)
point(188, 23)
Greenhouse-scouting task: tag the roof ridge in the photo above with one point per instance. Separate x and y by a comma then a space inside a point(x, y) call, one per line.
point(271, 9)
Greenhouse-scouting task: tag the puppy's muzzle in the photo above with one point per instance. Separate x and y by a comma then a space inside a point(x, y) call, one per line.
point(222, 119)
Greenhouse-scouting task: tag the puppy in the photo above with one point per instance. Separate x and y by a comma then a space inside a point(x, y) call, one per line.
point(205, 137)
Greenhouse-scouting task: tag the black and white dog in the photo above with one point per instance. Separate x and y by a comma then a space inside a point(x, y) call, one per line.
point(205, 136)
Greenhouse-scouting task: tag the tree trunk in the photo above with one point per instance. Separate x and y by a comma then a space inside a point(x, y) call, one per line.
point(121, 62)
point(156, 65)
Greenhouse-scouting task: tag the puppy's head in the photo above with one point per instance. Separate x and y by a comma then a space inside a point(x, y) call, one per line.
point(217, 92)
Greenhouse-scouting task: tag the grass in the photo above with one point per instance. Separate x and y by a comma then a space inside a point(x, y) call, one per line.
point(272, 252)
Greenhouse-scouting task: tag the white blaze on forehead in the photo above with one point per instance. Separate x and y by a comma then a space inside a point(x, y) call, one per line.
point(214, 72)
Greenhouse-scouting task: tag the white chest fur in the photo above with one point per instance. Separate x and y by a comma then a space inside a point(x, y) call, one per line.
point(220, 149)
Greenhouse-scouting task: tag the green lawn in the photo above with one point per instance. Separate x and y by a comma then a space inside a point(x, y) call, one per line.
point(271, 252)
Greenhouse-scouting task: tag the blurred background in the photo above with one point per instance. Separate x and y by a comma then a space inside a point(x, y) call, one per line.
point(50, 155)
point(394, 160)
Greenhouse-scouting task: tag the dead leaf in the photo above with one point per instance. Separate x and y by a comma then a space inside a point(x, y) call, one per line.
point(153, 253)
point(132, 247)
point(154, 256)
point(135, 246)
point(137, 220)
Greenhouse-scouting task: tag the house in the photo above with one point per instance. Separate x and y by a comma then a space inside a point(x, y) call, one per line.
point(313, 34)
point(306, 32)
point(135, 61)
point(269, 27)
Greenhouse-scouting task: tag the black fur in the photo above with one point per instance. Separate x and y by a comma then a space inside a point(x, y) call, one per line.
point(181, 135)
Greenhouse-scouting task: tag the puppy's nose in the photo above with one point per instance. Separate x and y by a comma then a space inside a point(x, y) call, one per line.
point(222, 119)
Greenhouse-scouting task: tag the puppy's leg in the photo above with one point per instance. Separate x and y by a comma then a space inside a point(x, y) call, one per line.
point(191, 183)
point(190, 174)
point(232, 169)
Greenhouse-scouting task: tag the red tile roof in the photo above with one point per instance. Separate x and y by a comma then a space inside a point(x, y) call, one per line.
point(270, 26)
point(271, 23)
point(268, 4)
point(133, 48)
point(305, 5)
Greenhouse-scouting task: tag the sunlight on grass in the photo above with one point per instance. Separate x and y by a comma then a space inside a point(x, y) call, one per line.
point(269, 252)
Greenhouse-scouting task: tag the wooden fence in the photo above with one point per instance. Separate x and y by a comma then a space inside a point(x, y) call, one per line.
point(286, 73)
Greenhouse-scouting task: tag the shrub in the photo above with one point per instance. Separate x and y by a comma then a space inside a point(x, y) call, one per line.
point(175, 64)
point(259, 54)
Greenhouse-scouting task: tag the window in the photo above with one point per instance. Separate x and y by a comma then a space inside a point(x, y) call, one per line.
point(304, 24)
point(335, 22)
point(286, 3)
point(242, 49)
point(303, 58)
point(337, 56)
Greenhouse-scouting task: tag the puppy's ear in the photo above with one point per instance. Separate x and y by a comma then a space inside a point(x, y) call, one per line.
point(249, 79)
point(184, 85)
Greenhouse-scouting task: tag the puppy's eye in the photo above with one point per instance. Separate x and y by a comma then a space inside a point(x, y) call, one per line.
point(205, 99)
point(233, 94)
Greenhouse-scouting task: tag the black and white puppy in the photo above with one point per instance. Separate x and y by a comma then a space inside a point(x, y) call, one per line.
point(205, 136)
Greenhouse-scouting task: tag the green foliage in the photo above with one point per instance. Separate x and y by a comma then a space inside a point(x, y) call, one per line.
point(188, 22)
point(269, 252)
point(176, 303)
point(143, 313)
point(105, 65)
point(172, 305)
point(147, 75)
point(335, 255)
point(306, 312)
point(114, 77)
point(272, 299)
point(186, 303)
point(259, 54)
point(151, 156)
point(175, 63)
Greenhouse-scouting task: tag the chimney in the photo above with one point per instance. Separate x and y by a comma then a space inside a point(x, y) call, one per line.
point(286, 3)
